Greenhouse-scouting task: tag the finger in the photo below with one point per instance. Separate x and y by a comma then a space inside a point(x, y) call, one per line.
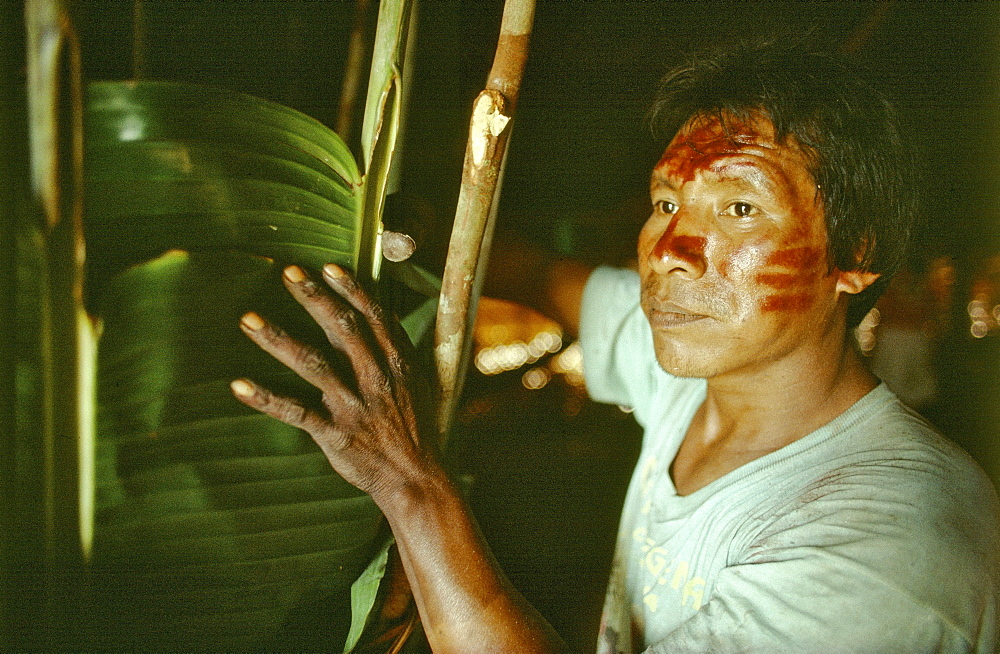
point(305, 361)
point(348, 288)
point(345, 327)
point(287, 410)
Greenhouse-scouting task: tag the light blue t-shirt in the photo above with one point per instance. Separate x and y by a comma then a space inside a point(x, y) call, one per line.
point(871, 534)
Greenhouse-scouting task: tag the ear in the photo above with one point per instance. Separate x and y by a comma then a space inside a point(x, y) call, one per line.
point(855, 281)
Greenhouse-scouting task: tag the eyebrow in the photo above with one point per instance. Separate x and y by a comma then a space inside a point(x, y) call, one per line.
point(658, 181)
point(757, 177)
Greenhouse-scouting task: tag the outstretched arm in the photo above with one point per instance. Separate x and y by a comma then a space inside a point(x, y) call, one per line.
point(369, 431)
point(523, 272)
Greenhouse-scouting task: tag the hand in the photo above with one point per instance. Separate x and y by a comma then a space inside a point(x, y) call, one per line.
point(368, 430)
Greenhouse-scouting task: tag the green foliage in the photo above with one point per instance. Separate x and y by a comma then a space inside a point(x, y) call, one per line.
point(219, 528)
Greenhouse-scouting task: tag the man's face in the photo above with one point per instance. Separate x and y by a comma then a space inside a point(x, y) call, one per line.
point(733, 259)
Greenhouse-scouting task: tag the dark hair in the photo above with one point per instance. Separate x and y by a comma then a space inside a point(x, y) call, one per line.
point(848, 129)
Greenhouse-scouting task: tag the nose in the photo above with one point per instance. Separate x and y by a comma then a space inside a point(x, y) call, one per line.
point(678, 249)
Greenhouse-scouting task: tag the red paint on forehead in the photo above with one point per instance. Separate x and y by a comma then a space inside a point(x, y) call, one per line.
point(699, 147)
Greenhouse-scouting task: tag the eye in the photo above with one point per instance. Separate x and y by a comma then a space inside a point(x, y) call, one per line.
point(666, 206)
point(741, 210)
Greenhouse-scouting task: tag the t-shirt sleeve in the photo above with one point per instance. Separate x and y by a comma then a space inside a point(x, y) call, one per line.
point(618, 359)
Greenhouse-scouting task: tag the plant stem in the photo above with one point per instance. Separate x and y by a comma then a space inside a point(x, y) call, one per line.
point(475, 215)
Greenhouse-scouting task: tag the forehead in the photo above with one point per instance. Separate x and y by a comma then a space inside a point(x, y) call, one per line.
point(742, 150)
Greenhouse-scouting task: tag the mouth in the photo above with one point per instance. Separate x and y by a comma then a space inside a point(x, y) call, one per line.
point(669, 315)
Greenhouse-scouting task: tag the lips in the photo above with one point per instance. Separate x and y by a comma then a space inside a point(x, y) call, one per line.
point(666, 315)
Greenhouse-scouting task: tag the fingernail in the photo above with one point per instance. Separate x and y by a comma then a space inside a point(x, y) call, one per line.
point(242, 388)
point(252, 321)
point(294, 274)
point(333, 271)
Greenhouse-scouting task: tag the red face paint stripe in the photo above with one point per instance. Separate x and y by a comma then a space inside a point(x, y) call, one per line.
point(780, 280)
point(804, 257)
point(795, 303)
point(685, 248)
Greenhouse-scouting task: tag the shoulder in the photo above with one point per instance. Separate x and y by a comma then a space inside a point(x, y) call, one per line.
point(902, 510)
point(892, 472)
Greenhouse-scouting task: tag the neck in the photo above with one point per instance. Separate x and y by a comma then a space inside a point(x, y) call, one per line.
point(768, 408)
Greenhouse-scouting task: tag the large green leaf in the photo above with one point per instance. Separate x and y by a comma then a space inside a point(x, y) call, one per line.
point(215, 524)
point(177, 166)
point(217, 527)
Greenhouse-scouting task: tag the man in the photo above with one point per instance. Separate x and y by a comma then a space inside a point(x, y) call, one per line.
point(784, 500)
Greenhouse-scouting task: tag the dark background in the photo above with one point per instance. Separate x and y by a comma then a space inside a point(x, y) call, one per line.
point(550, 469)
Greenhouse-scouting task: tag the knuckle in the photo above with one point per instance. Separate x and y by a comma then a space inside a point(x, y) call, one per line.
point(382, 387)
point(309, 288)
point(293, 414)
point(347, 322)
point(399, 365)
point(269, 334)
point(376, 311)
point(311, 362)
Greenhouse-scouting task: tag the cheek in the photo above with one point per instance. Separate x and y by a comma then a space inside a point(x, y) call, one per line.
point(742, 261)
point(793, 279)
point(789, 279)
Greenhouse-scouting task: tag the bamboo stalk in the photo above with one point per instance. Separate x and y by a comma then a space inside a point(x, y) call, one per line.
point(475, 215)
point(64, 440)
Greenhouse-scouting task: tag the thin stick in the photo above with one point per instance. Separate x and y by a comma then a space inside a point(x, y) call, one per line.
point(138, 40)
point(352, 70)
point(475, 215)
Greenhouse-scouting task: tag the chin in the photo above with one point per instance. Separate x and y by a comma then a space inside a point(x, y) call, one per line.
point(686, 363)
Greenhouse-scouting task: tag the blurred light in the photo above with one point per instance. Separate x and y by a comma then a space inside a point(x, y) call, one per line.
point(511, 356)
point(572, 405)
point(536, 378)
point(498, 333)
point(571, 360)
point(979, 329)
point(131, 129)
point(865, 332)
point(486, 361)
point(508, 336)
point(570, 363)
point(625, 409)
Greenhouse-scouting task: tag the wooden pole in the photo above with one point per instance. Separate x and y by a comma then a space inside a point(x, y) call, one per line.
point(468, 250)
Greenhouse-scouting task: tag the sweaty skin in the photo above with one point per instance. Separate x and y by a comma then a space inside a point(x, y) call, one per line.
point(737, 289)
